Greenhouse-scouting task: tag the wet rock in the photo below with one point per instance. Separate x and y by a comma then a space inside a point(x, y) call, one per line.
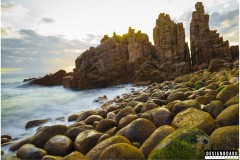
point(16, 145)
point(59, 145)
point(184, 143)
point(180, 106)
point(229, 116)
point(139, 107)
point(225, 138)
point(141, 98)
point(51, 157)
point(159, 102)
point(158, 95)
point(227, 93)
point(111, 115)
point(91, 119)
point(7, 137)
point(137, 131)
point(102, 112)
point(158, 116)
point(112, 131)
point(124, 112)
point(60, 118)
point(214, 108)
point(127, 120)
point(73, 132)
point(105, 124)
point(29, 151)
point(95, 152)
point(86, 140)
point(148, 107)
point(77, 124)
point(176, 96)
point(75, 156)
point(72, 117)
point(85, 114)
point(45, 133)
point(234, 100)
point(103, 137)
point(194, 118)
point(204, 99)
point(156, 137)
point(121, 151)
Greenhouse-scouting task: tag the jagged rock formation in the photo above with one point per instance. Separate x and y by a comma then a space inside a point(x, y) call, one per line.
point(132, 58)
point(205, 43)
point(169, 40)
point(112, 62)
point(171, 57)
point(51, 79)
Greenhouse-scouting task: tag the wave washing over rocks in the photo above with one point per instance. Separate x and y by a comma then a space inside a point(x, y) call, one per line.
point(190, 105)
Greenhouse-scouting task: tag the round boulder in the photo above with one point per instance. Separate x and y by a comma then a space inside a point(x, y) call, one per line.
point(29, 151)
point(95, 152)
point(176, 96)
point(225, 138)
point(214, 108)
point(105, 125)
point(35, 123)
point(121, 151)
point(86, 140)
point(124, 112)
point(59, 145)
point(181, 105)
point(44, 134)
point(126, 120)
point(75, 156)
point(229, 116)
point(158, 116)
point(148, 107)
point(186, 143)
point(83, 115)
point(91, 119)
point(194, 118)
point(227, 93)
point(138, 131)
point(73, 132)
point(156, 137)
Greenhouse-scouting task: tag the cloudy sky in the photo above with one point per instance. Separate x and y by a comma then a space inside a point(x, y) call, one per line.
point(47, 35)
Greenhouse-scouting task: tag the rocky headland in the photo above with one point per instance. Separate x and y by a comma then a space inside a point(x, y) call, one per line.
point(131, 58)
point(190, 105)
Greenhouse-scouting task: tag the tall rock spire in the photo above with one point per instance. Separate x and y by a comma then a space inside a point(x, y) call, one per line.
point(169, 39)
point(205, 44)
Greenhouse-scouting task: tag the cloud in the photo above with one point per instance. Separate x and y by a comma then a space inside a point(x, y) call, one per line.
point(38, 53)
point(6, 6)
point(46, 20)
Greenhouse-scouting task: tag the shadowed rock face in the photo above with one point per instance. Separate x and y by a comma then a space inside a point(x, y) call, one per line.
point(206, 44)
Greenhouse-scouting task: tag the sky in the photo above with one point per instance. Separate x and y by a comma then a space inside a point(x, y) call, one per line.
point(48, 35)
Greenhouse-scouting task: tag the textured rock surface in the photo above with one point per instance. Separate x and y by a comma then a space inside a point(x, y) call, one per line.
point(121, 151)
point(225, 138)
point(51, 79)
point(112, 62)
point(205, 43)
point(182, 144)
point(169, 40)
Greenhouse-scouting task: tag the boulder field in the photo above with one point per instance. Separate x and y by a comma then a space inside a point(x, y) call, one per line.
point(131, 58)
point(175, 119)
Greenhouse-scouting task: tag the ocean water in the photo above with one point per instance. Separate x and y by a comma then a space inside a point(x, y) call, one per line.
point(22, 104)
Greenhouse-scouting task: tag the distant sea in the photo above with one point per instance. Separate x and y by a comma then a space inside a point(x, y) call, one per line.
point(22, 104)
